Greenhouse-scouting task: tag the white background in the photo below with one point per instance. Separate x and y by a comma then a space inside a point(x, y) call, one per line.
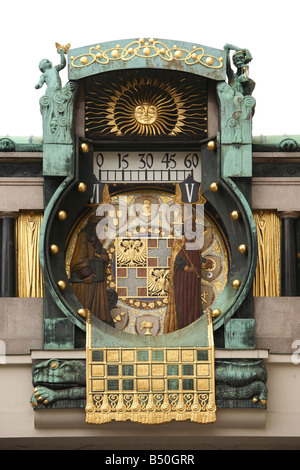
point(270, 30)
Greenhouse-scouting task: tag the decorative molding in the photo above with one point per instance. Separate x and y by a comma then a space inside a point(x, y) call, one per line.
point(21, 181)
point(57, 112)
point(277, 193)
point(145, 50)
point(156, 385)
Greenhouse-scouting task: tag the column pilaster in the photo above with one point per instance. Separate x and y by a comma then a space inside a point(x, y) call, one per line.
point(7, 254)
point(289, 286)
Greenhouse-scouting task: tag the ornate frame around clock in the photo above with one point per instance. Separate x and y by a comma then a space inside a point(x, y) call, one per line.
point(226, 172)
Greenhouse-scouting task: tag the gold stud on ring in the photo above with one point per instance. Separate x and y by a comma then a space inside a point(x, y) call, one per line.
point(54, 249)
point(62, 285)
point(211, 145)
point(236, 284)
point(234, 215)
point(214, 187)
point(243, 249)
point(82, 312)
point(215, 312)
point(84, 147)
point(62, 215)
point(81, 187)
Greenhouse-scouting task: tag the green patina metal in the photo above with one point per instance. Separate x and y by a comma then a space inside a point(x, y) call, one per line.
point(236, 111)
point(150, 53)
point(50, 75)
point(195, 335)
point(276, 143)
point(62, 384)
point(240, 331)
point(243, 266)
point(57, 108)
point(239, 79)
point(57, 111)
point(236, 131)
point(230, 166)
point(21, 144)
point(66, 197)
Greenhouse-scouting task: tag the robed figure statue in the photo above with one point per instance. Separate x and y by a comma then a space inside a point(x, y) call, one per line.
point(185, 304)
point(88, 272)
point(186, 264)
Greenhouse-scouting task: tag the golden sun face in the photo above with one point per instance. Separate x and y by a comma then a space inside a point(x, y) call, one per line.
point(145, 113)
point(146, 103)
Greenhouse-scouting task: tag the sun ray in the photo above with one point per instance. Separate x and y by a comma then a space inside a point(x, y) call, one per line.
point(146, 103)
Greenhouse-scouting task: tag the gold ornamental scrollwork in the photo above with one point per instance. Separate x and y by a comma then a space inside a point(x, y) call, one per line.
point(151, 385)
point(147, 49)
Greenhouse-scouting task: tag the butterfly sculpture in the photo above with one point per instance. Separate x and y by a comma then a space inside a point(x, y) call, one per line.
point(65, 48)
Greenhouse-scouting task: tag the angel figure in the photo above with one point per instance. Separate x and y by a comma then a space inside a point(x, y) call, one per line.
point(50, 74)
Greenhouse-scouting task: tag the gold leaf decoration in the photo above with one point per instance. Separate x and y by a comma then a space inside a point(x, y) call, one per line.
point(147, 103)
point(143, 49)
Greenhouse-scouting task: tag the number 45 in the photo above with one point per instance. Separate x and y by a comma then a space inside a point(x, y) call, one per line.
point(169, 160)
